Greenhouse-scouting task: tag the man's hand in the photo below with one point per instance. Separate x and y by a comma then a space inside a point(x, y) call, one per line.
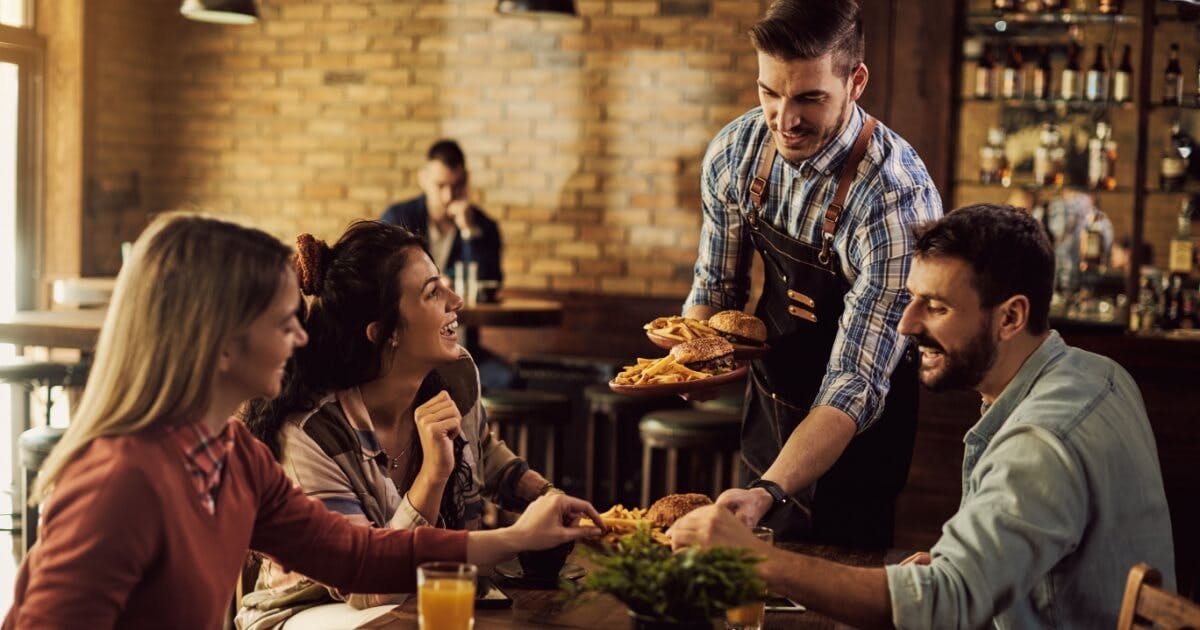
point(749, 506)
point(464, 216)
point(921, 557)
point(714, 525)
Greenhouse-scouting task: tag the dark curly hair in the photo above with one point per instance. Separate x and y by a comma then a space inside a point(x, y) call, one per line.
point(352, 284)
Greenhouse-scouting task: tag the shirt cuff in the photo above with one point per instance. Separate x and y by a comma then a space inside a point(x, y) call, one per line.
point(407, 516)
point(908, 590)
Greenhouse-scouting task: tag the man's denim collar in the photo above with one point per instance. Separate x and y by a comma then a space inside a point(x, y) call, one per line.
point(995, 415)
point(835, 152)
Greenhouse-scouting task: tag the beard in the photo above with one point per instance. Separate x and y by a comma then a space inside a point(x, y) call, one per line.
point(815, 138)
point(961, 369)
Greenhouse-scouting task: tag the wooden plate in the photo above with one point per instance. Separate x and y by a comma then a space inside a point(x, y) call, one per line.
point(740, 352)
point(667, 389)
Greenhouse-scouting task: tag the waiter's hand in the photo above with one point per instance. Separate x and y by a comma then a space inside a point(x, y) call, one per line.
point(748, 505)
point(701, 395)
point(710, 525)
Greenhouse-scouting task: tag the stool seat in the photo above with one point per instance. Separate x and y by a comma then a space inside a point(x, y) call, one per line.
point(22, 370)
point(687, 428)
point(527, 406)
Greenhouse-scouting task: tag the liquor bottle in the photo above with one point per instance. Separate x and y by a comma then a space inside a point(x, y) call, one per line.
point(1179, 258)
point(1172, 307)
point(1049, 158)
point(1123, 78)
point(1010, 77)
point(1173, 79)
point(1109, 7)
point(985, 70)
point(993, 161)
point(1040, 83)
point(1004, 5)
point(1069, 86)
point(1146, 311)
point(1091, 246)
point(1175, 160)
point(1102, 158)
point(1096, 84)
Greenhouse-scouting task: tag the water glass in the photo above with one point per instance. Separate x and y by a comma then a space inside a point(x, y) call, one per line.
point(750, 616)
point(446, 595)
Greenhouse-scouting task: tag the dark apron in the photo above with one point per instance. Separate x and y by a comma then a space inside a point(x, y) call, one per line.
point(803, 298)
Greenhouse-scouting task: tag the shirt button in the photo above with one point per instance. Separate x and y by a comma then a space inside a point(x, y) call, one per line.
point(785, 278)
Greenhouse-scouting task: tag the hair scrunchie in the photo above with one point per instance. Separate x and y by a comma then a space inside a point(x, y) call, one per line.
point(312, 260)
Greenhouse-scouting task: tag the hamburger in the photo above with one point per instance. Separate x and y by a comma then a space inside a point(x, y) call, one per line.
point(670, 508)
point(739, 328)
point(712, 355)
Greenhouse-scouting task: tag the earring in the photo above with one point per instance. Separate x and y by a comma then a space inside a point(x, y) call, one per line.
point(394, 342)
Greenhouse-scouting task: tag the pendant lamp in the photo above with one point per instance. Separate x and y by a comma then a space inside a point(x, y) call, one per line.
point(220, 11)
point(557, 8)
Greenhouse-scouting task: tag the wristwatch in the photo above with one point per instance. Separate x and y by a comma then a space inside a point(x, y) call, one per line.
point(778, 496)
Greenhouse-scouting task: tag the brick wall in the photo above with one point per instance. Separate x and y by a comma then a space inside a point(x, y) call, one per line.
point(583, 136)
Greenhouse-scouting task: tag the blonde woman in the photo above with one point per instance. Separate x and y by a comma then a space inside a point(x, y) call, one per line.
point(154, 495)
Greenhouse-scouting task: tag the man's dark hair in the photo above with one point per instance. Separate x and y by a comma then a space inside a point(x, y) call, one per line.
point(447, 152)
point(1008, 250)
point(811, 29)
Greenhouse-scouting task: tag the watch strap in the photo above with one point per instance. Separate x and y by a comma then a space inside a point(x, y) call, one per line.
point(778, 495)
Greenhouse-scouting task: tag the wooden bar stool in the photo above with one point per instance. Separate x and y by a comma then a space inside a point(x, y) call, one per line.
point(615, 415)
point(698, 430)
point(520, 410)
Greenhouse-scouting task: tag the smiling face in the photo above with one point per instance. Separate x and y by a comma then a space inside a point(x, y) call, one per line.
point(805, 103)
point(954, 333)
point(428, 312)
point(258, 356)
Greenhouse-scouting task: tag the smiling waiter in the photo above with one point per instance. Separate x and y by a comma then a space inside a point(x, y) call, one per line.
point(827, 195)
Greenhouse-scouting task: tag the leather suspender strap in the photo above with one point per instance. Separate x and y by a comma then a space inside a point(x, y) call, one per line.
point(849, 171)
point(759, 185)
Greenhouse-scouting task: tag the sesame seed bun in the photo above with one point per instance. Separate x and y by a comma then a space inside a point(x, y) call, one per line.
point(701, 350)
point(739, 327)
point(670, 508)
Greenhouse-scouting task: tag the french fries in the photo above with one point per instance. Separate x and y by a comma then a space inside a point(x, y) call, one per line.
point(658, 371)
point(620, 520)
point(679, 327)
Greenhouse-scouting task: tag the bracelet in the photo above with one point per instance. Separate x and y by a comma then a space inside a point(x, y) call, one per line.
point(546, 489)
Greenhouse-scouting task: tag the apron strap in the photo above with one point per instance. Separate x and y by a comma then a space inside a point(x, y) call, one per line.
point(849, 171)
point(759, 185)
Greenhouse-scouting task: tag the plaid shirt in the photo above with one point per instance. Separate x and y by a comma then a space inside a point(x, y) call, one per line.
point(204, 456)
point(892, 192)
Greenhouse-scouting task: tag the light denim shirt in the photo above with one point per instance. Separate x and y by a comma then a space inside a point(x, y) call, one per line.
point(1062, 495)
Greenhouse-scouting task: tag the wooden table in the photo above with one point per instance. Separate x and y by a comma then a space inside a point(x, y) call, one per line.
point(79, 329)
point(533, 608)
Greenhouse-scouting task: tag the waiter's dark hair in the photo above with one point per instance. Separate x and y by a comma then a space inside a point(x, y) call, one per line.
point(811, 29)
point(1008, 250)
point(447, 152)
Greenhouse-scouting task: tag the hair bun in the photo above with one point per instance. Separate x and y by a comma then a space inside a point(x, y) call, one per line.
point(312, 256)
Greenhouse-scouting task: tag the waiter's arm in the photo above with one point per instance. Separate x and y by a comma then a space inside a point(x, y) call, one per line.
point(812, 448)
point(700, 311)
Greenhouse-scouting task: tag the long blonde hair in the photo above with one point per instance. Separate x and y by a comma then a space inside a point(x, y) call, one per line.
point(191, 285)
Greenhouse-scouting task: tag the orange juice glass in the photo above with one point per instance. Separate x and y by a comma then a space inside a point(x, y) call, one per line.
point(446, 595)
point(750, 616)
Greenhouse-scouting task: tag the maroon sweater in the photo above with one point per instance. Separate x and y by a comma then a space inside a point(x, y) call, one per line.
point(124, 541)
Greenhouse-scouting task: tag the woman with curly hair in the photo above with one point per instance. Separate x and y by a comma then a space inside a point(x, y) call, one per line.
point(381, 417)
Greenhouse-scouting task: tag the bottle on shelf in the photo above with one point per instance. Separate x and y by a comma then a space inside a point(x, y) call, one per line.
point(1179, 256)
point(1010, 77)
point(1173, 79)
point(1091, 246)
point(1039, 81)
point(1096, 84)
point(1172, 304)
point(985, 72)
point(1102, 158)
point(1123, 78)
point(993, 161)
point(1069, 85)
point(1176, 159)
point(1109, 7)
point(1147, 311)
point(1049, 158)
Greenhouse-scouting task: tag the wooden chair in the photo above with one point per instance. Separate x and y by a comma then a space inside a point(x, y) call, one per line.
point(1146, 605)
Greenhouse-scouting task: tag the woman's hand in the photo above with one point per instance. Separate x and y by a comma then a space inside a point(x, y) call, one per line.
point(549, 521)
point(438, 423)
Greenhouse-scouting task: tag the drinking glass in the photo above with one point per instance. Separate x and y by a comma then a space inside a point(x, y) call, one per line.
point(750, 616)
point(446, 595)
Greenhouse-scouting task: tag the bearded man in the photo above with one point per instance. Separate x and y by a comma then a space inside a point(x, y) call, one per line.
point(1062, 490)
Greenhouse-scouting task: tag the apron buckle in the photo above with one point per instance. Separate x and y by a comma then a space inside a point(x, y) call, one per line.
point(826, 243)
point(752, 216)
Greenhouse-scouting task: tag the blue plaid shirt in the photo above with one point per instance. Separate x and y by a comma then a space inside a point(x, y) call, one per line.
point(892, 192)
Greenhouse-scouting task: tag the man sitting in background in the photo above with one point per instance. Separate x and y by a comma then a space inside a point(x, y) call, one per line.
point(458, 232)
point(1062, 491)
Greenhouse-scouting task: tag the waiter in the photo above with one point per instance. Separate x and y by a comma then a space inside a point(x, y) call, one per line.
point(827, 195)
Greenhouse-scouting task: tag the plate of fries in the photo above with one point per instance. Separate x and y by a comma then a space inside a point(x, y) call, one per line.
point(668, 332)
point(665, 376)
point(620, 520)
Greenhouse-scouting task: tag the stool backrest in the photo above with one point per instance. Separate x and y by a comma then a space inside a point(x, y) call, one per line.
point(1146, 605)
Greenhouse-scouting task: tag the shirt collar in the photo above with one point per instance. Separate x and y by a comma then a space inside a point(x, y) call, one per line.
point(836, 150)
point(204, 457)
point(995, 414)
point(355, 410)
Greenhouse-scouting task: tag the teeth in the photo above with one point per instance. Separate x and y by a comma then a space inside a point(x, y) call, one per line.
point(451, 327)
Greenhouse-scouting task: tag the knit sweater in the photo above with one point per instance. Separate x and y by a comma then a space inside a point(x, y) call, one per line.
point(125, 542)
